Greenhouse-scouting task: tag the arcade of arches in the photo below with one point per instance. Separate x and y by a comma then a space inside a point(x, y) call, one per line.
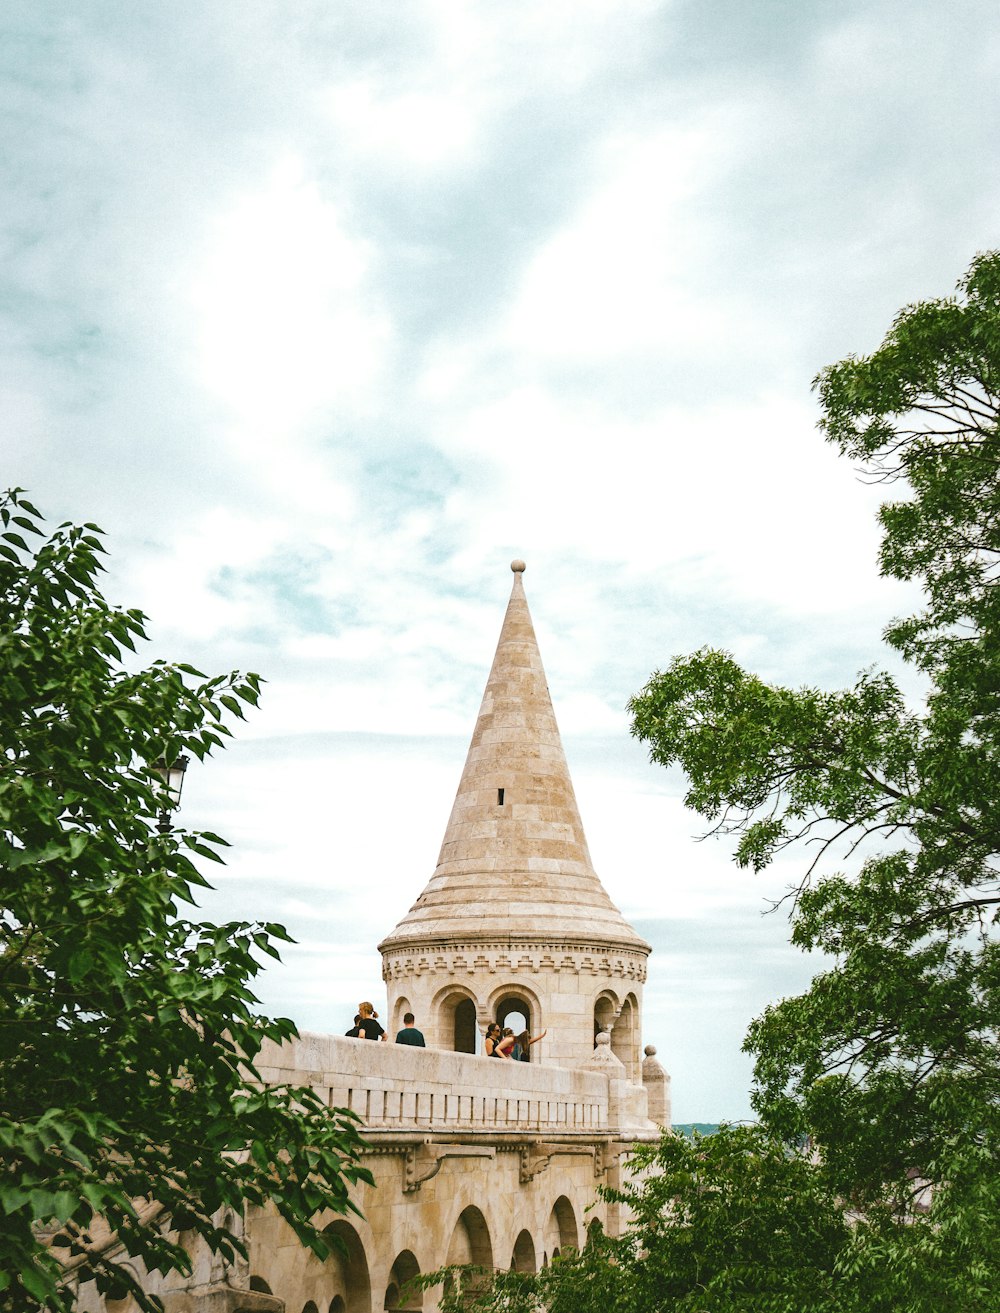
point(364, 1277)
point(459, 1020)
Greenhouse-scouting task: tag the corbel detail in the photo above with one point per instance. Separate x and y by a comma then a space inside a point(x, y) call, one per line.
point(535, 1158)
point(532, 1163)
point(423, 1161)
point(606, 1157)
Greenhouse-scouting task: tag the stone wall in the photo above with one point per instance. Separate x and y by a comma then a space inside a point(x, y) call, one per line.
point(474, 1159)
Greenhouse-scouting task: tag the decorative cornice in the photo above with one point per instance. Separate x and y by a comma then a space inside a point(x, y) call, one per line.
point(472, 959)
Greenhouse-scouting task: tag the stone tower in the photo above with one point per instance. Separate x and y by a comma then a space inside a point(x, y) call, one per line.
point(514, 918)
point(469, 1164)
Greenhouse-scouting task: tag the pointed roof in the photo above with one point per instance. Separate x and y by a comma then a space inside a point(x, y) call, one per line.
point(514, 864)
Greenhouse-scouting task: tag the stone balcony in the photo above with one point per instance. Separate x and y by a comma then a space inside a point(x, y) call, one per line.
point(397, 1090)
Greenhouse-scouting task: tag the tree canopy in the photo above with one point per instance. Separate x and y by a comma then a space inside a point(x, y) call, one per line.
point(728, 1221)
point(128, 1031)
point(890, 1060)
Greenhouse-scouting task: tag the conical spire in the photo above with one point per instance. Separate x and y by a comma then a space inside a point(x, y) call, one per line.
point(514, 864)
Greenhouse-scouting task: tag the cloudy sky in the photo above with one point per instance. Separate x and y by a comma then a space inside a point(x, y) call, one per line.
point(327, 310)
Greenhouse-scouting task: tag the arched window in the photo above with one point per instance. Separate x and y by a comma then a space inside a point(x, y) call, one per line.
point(605, 1011)
point(465, 1026)
point(399, 1011)
point(523, 1259)
point(454, 1019)
point(561, 1230)
point(470, 1240)
point(397, 1297)
point(624, 1040)
point(514, 1010)
point(347, 1274)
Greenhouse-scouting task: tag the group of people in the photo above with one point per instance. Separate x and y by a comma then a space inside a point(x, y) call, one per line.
point(367, 1026)
point(501, 1042)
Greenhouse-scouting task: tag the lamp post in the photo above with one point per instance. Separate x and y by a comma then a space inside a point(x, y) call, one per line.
point(172, 776)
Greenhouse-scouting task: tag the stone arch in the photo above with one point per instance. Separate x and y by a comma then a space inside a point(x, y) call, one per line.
point(399, 1009)
point(606, 1009)
point(346, 1270)
point(310, 1306)
point(404, 1269)
point(466, 1027)
point(515, 995)
point(515, 1013)
point(454, 1010)
point(523, 1258)
point(625, 1037)
point(561, 1230)
point(260, 1285)
point(470, 1240)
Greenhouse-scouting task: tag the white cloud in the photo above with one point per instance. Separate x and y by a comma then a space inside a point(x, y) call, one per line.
point(288, 322)
point(422, 127)
point(613, 280)
point(326, 320)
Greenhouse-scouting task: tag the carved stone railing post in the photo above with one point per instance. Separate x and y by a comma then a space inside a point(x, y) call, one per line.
point(657, 1085)
point(604, 1061)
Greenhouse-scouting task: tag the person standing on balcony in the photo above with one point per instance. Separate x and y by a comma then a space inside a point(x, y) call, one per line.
point(523, 1043)
point(368, 1027)
point(505, 1045)
point(409, 1034)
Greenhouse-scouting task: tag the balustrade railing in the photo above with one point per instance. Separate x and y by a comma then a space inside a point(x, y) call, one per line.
point(396, 1087)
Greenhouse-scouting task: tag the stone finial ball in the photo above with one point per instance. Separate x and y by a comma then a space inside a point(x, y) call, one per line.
point(650, 1050)
point(603, 1037)
point(518, 567)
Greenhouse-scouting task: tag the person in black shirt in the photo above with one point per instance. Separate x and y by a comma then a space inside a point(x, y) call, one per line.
point(368, 1026)
point(409, 1034)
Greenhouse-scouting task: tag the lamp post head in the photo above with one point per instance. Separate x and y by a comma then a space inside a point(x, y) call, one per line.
point(172, 776)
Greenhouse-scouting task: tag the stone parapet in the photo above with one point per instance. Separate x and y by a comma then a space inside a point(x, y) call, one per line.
point(395, 1087)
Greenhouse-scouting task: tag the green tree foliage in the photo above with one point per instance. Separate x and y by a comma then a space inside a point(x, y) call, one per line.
point(890, 1060)
point(127, 1032)
point(730, 1221)
point(739, 1222)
